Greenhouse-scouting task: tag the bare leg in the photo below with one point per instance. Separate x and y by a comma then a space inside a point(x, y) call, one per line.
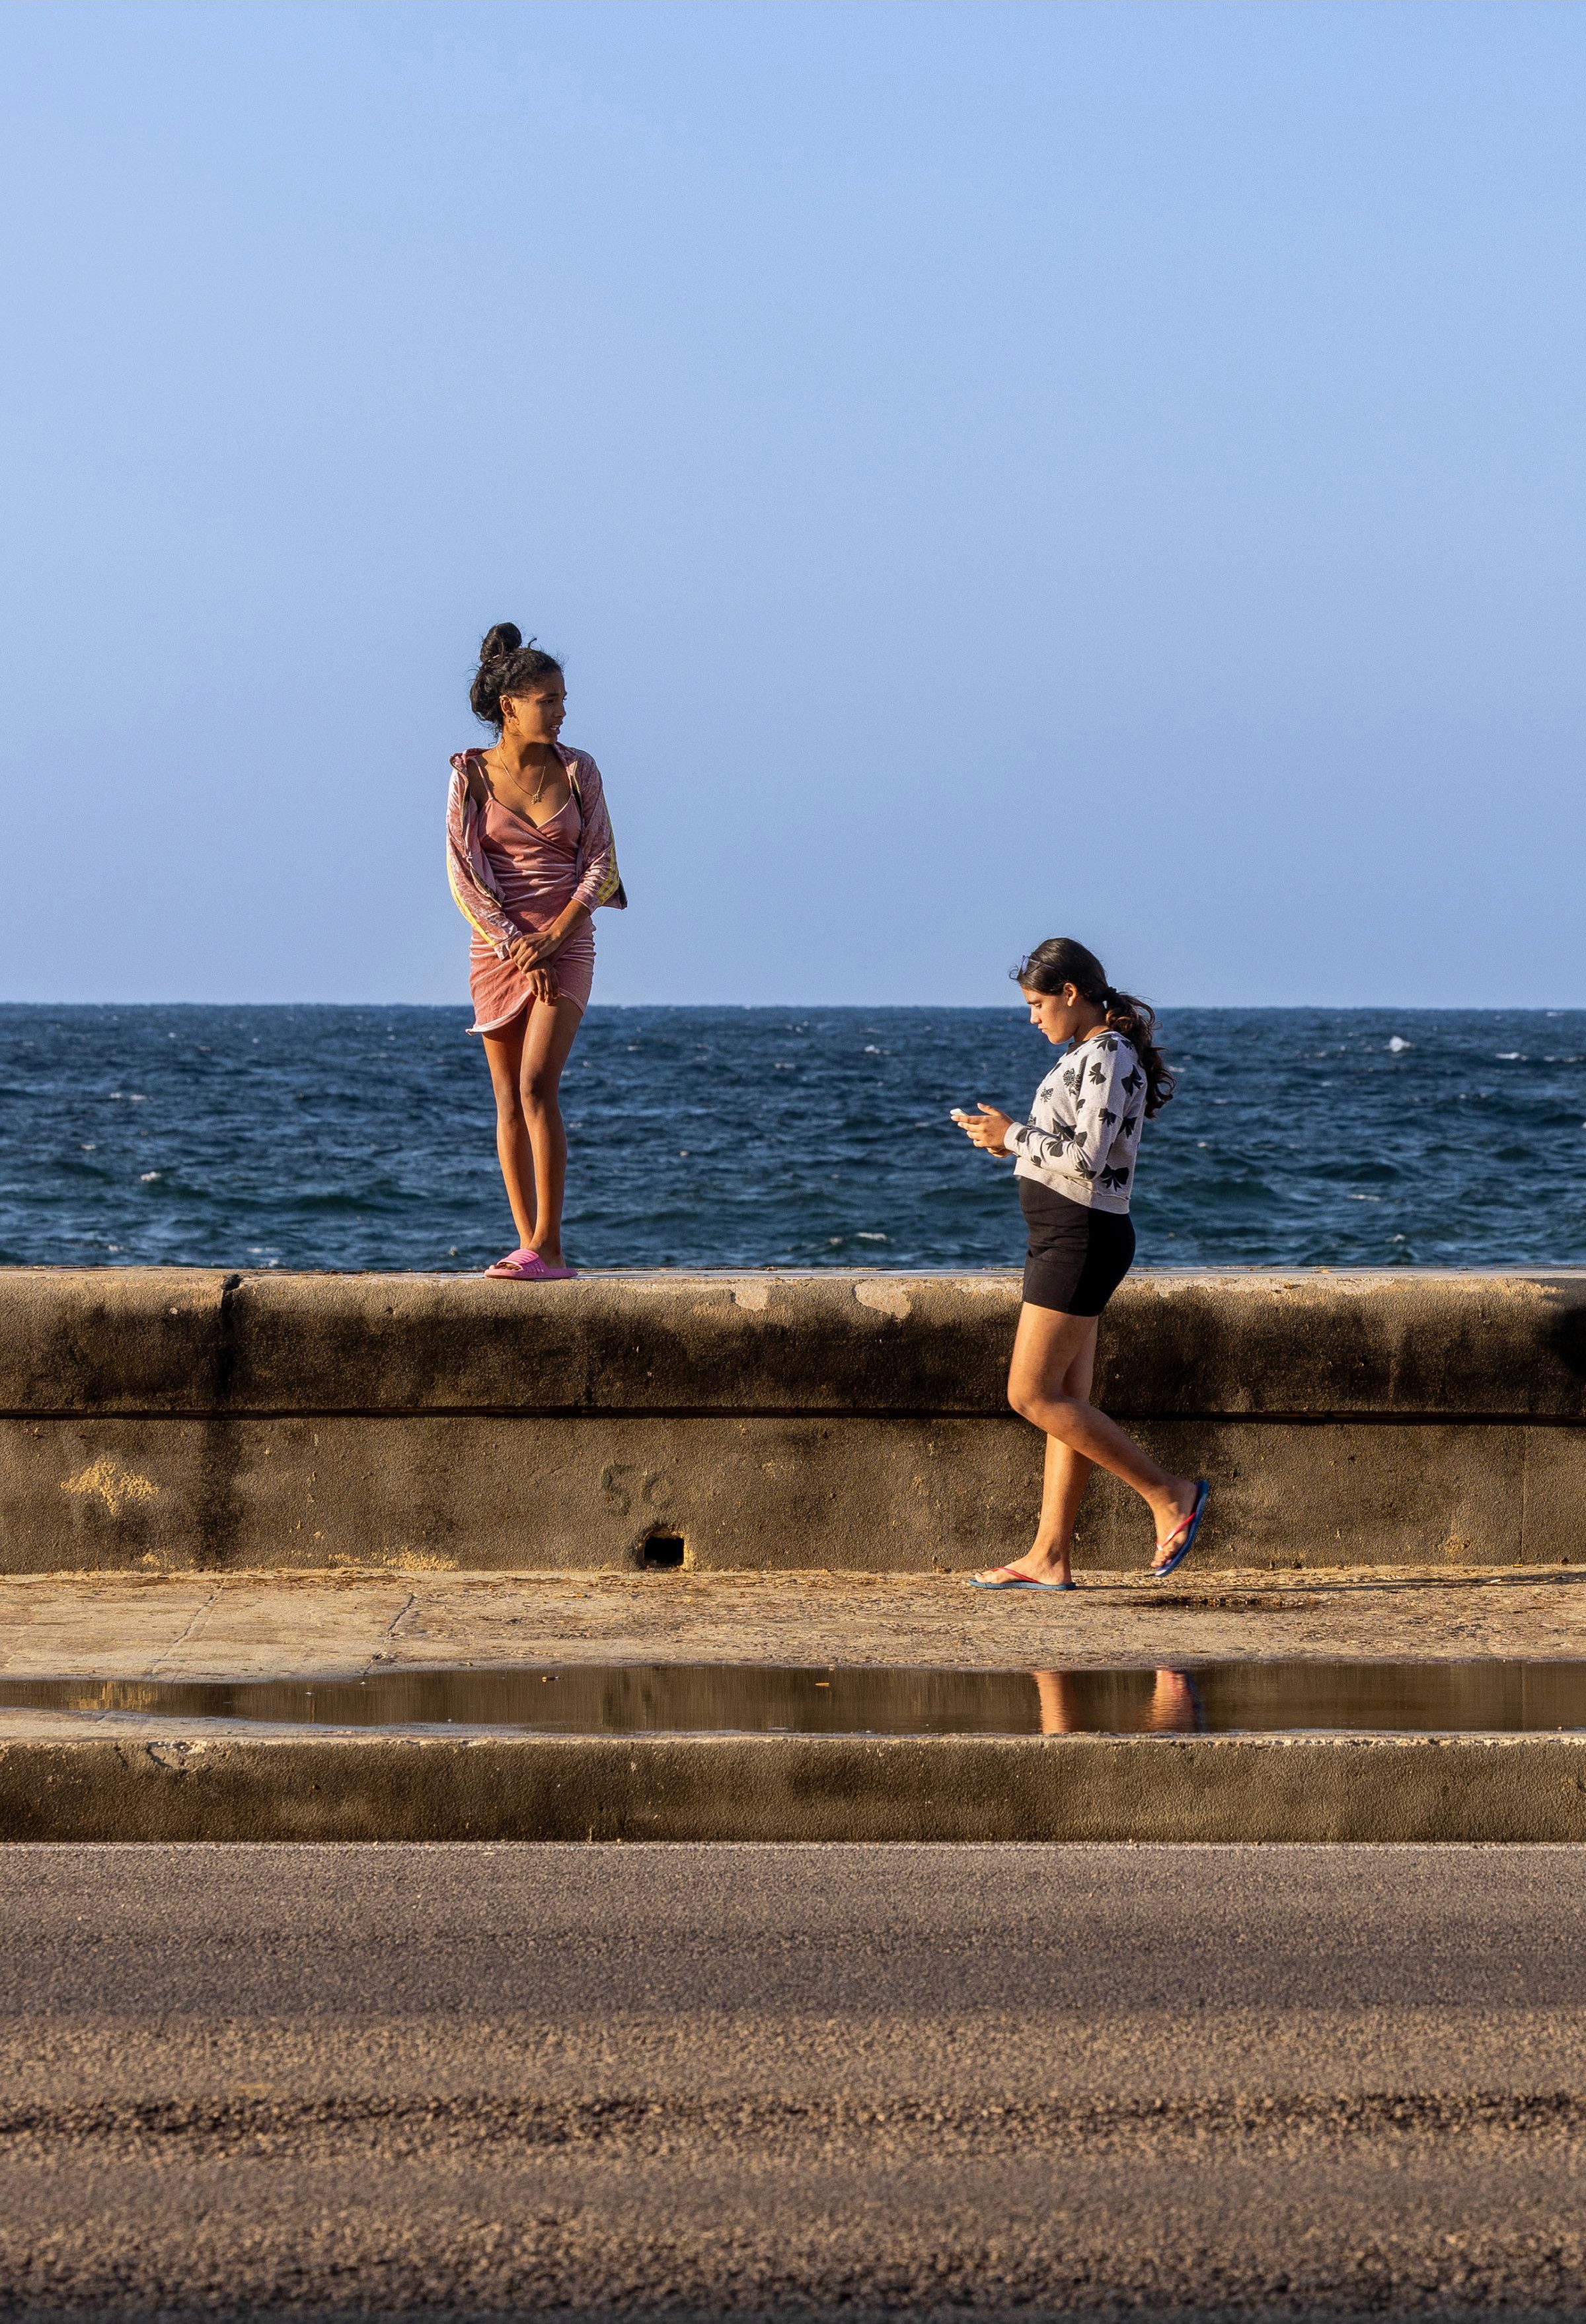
point(503, 1054)
point(1066, 1475)
point(553, 1026)
point(1044, 1351)
point(1065, 1472)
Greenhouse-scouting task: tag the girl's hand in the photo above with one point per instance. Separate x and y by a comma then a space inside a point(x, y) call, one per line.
point(543, 984)
point(530, 952)
point(987, 1129)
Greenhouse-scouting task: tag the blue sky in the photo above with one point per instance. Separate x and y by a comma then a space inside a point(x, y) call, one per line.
point(992, 471)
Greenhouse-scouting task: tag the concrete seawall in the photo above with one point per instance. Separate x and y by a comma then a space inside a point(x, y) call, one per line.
point(177, 1419)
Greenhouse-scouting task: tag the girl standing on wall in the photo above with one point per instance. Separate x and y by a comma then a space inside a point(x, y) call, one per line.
point(530, 855)
point(1075, 1161)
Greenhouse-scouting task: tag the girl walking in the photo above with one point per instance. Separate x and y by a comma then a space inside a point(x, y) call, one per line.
point(1074, 1164)
point(529, 856)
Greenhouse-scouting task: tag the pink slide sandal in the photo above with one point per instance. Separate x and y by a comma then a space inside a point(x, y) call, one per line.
point(527, 1266)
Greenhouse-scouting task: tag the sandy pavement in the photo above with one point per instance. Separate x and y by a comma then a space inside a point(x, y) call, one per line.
point(354, 1622)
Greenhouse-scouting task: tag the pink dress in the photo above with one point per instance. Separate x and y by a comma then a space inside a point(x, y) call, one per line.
point(535, 871)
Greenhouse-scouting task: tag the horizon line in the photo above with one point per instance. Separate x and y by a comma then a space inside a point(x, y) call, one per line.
point(812, 1007)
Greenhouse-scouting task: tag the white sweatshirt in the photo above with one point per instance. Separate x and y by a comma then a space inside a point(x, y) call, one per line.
point(1084, 1128)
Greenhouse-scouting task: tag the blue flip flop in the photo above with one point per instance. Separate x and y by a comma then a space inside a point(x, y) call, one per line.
point(1189, 1527)
point(1019, 1582)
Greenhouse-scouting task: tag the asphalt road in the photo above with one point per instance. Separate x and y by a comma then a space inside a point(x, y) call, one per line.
point(410, 2081)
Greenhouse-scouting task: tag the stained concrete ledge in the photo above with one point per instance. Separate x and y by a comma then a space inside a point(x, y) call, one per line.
point(329, 1787)
point(1309, 1343)
point(175, 1419)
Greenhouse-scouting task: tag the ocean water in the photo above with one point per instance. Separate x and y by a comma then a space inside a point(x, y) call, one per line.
point(336, 1138)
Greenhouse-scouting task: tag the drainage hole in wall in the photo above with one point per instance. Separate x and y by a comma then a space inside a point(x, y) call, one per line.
point(663, 1552)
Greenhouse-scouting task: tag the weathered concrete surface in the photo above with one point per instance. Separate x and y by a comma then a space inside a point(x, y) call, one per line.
point(869, 1495)
point(181, 1419)
point(866, 1495)
point(193, 1784)
point(1019, 2083)
point(1308, 1342)
point(350, 1626)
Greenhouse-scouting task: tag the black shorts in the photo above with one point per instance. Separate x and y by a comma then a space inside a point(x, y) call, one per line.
point(1078, 1256)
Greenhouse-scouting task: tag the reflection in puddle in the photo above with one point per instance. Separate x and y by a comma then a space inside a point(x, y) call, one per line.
point(1174, 1707)
point(771, 1699)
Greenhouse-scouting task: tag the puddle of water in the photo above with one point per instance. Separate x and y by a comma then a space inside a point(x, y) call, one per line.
point(1276, 1698)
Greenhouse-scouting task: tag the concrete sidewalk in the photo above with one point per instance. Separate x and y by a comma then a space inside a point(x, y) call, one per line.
point(352, 1624)
point(124, 1770)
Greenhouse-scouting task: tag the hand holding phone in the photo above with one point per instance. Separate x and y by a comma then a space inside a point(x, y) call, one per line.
point(986, 1129)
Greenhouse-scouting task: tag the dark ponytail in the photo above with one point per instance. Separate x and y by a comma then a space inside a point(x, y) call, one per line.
point(507, 666)
point(1061, 960)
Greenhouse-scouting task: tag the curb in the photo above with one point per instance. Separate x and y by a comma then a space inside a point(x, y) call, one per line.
point(963, 1788)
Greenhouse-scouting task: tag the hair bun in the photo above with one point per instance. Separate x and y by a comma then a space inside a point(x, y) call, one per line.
point(507, 667)
point(503, 639)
